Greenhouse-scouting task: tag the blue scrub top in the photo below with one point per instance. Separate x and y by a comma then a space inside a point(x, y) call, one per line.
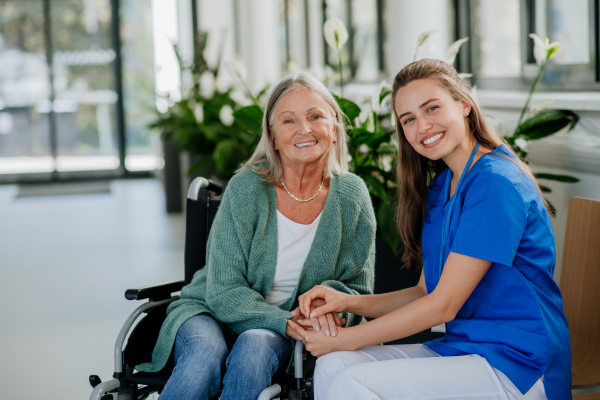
point(514, 317)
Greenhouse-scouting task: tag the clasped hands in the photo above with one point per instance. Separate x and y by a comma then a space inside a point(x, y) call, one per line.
point(316, 321)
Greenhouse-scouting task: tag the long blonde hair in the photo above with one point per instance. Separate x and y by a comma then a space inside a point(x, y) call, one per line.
point(265, 160)
point(415, 171)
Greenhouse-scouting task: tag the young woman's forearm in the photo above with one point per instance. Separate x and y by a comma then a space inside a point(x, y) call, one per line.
point(420, 314)
point(377, 305)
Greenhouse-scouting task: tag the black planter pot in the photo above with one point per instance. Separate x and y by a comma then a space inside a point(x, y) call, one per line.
point(172, 176)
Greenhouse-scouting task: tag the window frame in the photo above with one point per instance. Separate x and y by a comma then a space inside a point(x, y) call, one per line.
point(68, 176)
point(467, 60)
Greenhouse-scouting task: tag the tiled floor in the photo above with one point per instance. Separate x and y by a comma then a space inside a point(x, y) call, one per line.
point(65, 263)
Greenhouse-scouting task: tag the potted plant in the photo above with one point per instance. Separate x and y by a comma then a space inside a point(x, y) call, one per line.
point(213, 128)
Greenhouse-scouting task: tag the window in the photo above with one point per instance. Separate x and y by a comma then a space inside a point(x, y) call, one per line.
point(503, 52)
point(362, 55)
point(64, 110)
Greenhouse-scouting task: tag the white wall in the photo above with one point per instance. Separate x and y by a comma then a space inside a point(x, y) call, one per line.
point(406, 21)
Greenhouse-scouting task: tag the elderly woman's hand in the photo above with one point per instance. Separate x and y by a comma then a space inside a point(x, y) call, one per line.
point(327, 323)
point(319, 345)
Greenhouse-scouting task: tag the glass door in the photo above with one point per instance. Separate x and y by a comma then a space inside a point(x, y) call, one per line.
point(84, 85)
point(24, 90)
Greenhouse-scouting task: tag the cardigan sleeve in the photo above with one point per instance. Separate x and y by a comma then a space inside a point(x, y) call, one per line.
point(356, 264)
point(228, 294)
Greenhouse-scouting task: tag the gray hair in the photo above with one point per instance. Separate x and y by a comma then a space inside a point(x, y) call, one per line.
point(266, 162)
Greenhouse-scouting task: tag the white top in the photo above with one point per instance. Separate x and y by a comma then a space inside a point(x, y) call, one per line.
point(294, 242)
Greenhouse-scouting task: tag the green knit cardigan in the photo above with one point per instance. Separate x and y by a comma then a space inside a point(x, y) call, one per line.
point(242, 256)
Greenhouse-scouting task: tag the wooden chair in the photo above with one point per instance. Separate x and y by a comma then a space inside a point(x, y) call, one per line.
point(580, 287)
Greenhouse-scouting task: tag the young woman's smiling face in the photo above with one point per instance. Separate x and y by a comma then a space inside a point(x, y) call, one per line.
point(303, 127)
point(433, 122)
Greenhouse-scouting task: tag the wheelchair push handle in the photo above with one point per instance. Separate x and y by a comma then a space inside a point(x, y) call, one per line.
point(204, 184)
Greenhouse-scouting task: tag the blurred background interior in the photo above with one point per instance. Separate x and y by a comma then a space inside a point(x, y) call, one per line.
point(93, 180)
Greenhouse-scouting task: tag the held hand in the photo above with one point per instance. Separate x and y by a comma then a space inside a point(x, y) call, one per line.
point(327, 324)
point(300, 319)
point(318, 345)
point(336, 302)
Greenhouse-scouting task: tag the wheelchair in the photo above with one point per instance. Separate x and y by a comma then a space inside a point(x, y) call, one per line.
point(201, 208)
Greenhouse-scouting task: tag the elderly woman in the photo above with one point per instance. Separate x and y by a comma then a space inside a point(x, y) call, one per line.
point(292, 217)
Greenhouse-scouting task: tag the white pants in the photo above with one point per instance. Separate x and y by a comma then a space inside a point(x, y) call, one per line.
point(412, 371)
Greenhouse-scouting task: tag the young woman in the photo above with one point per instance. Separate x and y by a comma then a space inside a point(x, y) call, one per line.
point(472, 217)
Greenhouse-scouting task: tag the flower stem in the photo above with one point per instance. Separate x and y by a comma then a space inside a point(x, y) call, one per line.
point(341, 74)
point(535, 82)
point(249, 93)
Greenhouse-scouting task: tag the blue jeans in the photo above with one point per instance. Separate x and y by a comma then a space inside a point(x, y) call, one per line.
point(201, 358)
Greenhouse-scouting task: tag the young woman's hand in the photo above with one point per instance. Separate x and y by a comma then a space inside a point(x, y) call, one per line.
point(327, 324)
point(335, 302)
point(317, 344)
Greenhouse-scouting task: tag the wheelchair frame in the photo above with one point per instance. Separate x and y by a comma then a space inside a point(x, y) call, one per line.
point(390, 276)
point(119, 388)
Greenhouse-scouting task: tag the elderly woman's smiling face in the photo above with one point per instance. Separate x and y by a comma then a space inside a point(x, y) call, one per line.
point(303, 127)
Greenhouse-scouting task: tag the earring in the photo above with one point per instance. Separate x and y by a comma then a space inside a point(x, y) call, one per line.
point(276, 148)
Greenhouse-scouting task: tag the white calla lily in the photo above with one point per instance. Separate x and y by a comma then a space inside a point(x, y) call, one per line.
point(453, 50)
point(521, 143)
point(364, 114)
point(236, 69)
point(226, 115)
point(424, 36)
point(208, 84)
point(336, 34)
point(375, 101)
point(543, 50)
point(553, 49)
point(199, 112)
point(422, 39)
point(539, 49)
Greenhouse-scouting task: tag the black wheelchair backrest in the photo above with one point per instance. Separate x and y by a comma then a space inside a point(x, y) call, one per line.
point(199, 218)
point(200, 213)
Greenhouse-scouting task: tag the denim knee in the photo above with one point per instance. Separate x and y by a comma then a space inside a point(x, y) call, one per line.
point(201, 335)
point(259, 348)
point(200, 352)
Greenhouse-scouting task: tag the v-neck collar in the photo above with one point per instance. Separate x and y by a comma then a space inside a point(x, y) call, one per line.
point(448, 181)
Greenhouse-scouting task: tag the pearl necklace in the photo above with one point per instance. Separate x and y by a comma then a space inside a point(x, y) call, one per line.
point(300, 200)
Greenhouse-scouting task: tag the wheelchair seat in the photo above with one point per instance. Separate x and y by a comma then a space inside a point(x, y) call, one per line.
point(201, 208)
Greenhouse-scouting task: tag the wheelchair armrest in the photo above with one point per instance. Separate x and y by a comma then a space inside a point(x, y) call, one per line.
point(156, 292)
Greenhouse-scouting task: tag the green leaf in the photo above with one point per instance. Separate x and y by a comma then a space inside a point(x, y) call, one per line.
point(387, 148)
point(249, 117)
point(384, 92)
point(377, 139)
point(262, 92)
point(559, 178)
point(375, 187)
point(359, 136)
point(551, 208)
point(546, 123)
point(545, 189)
point(226, 155)
point(199, 165)
point(349, 108)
